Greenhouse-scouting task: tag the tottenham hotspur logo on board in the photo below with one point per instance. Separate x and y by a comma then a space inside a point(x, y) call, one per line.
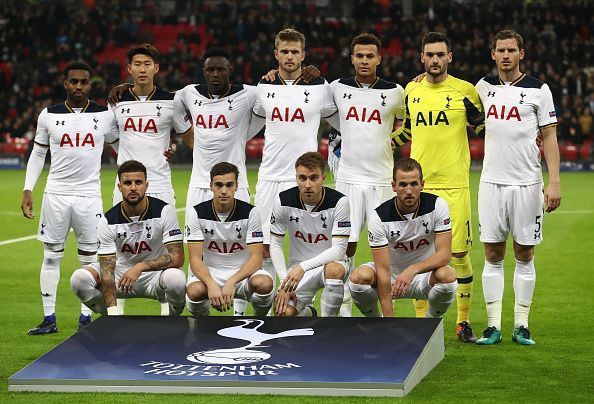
point(248, 331)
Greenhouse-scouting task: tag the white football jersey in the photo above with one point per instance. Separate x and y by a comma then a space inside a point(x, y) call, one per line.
point(75, 140)
point(224, 242)
point(138, 239)
point(366, 124)
point(409, 240)
point(310, 232)
point(222, 126)
point(292, 115)
point(514, 115)
point(145, 130)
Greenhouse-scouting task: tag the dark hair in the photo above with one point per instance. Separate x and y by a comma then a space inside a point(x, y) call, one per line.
point(144, 49)
point(311, 160)
point(224, 168)
point(407, 165)
point(289, 35)
point(131, 166)
point(508, 34)
point(435, 37)
point(216, 52)
point(366, 39)
point(77, 65)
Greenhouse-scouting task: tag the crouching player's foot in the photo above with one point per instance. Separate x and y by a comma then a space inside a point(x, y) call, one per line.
point(491, 336)
point(47, 326)
point(84, 321)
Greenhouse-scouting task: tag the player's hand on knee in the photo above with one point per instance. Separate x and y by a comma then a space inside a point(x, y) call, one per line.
point(129, 279)
point(115, 95)
point(215, 296)
point(282, 301)
point(310, 73)
point(402, 283)
point(552, 197)
point(271, 75)
point(27, 204)
point(228, 292)
point(293, 278)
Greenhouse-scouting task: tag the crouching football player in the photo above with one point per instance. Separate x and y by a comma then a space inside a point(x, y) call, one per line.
point(411, 242)
point(224, 238)
point(317, 220)
point(140, 250)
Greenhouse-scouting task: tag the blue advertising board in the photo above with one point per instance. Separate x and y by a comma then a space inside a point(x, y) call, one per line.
point(329, 356)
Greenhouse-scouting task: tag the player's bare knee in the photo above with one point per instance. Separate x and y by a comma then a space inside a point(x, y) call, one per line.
point(261, 284)
point(444, 274)
point(524, 253)
point(290, 311)
point(334, 270)
point(196, 291)
point(362, 275)
point(494, 252)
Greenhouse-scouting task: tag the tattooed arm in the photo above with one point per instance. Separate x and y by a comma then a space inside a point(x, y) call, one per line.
point(173, 259)
point(107, 269)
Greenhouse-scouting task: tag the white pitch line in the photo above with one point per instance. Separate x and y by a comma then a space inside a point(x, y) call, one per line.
point(27, 238)
point(561, 212)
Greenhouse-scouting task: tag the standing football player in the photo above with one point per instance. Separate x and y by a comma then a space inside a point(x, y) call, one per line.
point(74, 131)
point(140, 250)
point(511, 198)
point(292, 109)
point(367, 107)
point(438, 109)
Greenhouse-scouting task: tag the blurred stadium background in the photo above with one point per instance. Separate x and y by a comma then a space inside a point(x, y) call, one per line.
point(38, 37)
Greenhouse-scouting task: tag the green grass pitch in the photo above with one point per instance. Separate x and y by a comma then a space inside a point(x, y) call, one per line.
point(556, 369)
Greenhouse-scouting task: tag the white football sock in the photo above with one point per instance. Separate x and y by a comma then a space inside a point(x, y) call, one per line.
point(332, 297)
point(262, 303)
point(239, 307)
point(49, 278)
point(365, 298)
point(524, 282)
point(84, 286)
point(440, 298)
point(493, 286)
point(173, 282)
point(198, 309)
point(346, 309)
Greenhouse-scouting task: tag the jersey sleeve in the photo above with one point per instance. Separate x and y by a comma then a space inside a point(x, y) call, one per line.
point(342, 218)
point(473, 105)
point(546, 108)
point(399, 108)
point(404, 133)
point(181, 117)
point(193, 230)
point(329, 108)
point(42, 132)
point(377, 233)
point(113, 132)
point(278, 219)
point(106, 238)
point(258, 108)
point(254, 233)
point(171, 231)
point(442, 216)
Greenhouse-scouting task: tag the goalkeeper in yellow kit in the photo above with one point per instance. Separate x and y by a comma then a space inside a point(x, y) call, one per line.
point(438, 109)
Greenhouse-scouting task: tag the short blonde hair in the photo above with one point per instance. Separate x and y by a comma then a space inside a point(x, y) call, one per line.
point(289, 35)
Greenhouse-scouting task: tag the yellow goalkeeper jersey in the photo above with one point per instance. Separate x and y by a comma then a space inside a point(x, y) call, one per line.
point(436, 119)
